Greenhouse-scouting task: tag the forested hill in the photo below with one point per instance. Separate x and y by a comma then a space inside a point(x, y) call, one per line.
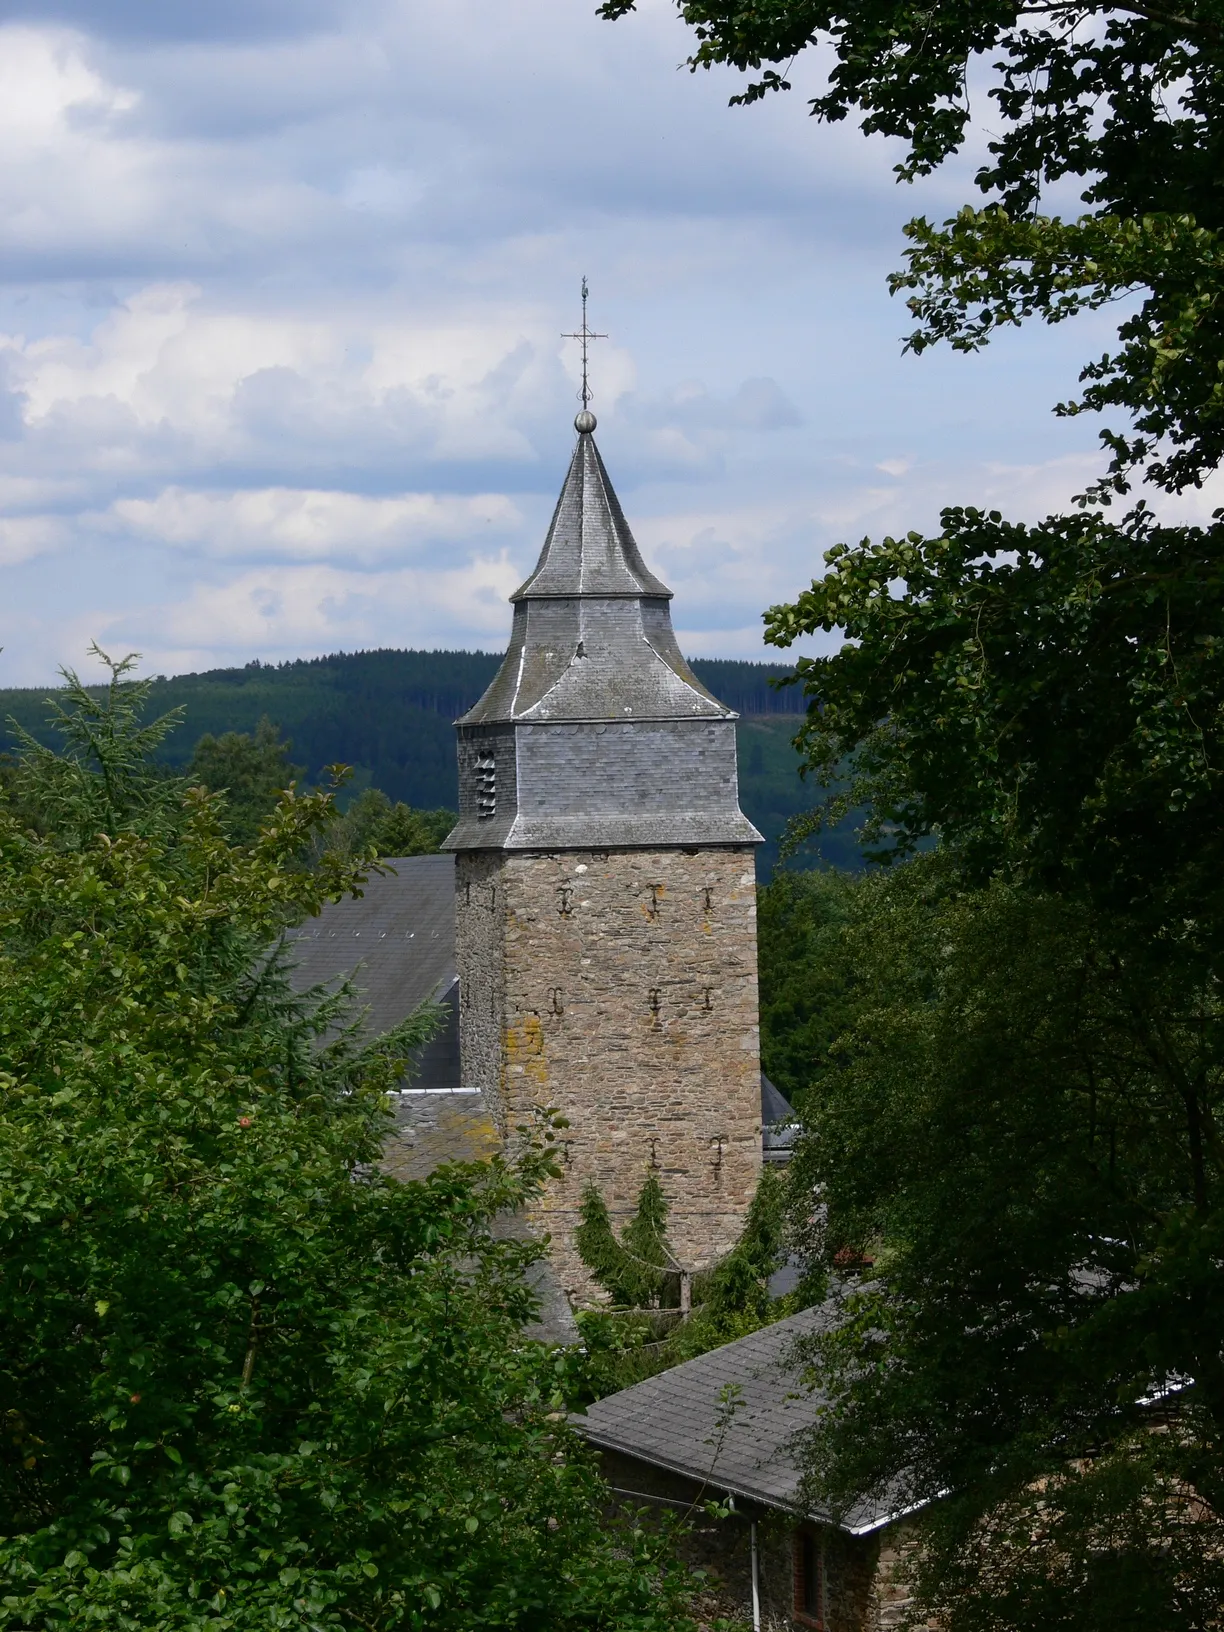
point(389, 714)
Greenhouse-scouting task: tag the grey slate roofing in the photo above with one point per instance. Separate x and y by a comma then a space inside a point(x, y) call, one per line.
point(592, 636)
point(779, 1124)
point(589, 549)
point(674, 1420)
point(595, 733)
point(398, 940)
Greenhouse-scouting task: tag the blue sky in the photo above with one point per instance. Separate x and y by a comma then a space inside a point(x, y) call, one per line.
point(281, 291)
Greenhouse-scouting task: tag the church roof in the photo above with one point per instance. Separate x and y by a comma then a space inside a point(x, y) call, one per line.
point(592, 637)
point(589, 549)
point(396, 939)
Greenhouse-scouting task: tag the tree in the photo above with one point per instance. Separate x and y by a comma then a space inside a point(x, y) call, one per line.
point(392, 829)
point(1129, 97)
point(251, 769)
point(806, 981)
point(998, 1141)
point(639, 1273)
point(248, 1381)
point(1019, 1125)
point(1037, 1056)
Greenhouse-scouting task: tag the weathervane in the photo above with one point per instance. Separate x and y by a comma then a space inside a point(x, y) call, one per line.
point(586, 336)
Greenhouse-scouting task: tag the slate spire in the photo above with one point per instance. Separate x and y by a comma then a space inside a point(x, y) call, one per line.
point(595, 731)
point(592, 636)
point(589, 549)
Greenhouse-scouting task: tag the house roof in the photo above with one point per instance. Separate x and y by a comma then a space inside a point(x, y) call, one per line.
point(680, 1420)
point(397, 940)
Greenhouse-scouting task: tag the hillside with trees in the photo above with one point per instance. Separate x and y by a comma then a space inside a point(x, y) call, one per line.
point(390, 716)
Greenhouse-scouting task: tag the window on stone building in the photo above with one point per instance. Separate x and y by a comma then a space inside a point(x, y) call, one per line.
point(809, 1578)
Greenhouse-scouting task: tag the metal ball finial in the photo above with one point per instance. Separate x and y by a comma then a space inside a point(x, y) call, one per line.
point(584, 422)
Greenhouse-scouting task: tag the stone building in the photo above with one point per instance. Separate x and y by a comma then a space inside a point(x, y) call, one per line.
point(729, 1427)
point(606, 932)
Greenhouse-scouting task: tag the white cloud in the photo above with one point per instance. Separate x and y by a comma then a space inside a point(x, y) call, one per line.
point(306, 525)
point(286, 611)
point(281, 365)
point(23, 537)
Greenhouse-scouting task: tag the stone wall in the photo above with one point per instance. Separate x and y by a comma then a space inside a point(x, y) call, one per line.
point(629, 1003)
point(480, 958)
point(722, 1547)
point(892, 1599)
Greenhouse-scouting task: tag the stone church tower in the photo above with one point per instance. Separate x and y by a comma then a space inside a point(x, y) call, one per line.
point(606, 896)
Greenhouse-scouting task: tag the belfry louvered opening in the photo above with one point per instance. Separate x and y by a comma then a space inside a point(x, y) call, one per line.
point(486, 787)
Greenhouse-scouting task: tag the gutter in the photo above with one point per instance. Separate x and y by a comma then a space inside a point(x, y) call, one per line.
point(776, 1503)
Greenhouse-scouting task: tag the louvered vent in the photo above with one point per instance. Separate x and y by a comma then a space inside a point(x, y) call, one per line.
point(486, 787)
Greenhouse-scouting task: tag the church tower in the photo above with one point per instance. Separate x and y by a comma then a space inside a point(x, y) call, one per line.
point(606, 893)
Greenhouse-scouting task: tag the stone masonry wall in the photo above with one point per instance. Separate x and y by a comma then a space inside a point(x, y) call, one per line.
point(480, 958)
point(722, 1547)
point(630, 1005)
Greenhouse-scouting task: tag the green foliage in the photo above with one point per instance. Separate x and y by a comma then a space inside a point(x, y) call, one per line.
point(729, 1301)
point(1130, 99)
point(249, 1382)
point(99, 781)
point(984, 270)
point(807, 984)
point(251, 770)
point(1006, 1137)
point(1119, 1531)
point(390, 829)
point(638, 1271)
point(732, 1299)
point(1048, 699)
point(644, 1244)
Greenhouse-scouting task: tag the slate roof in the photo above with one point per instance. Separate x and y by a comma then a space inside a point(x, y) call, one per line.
point(592, 638)
point(398, 940)
point(589, 549)
point(779, 1124)
point(433, 1126)
point(673, 1421)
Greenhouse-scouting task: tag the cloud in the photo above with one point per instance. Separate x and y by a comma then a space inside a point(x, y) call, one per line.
point(23, 537)
point(308, 525)
point(285, 611)
point(282, 293)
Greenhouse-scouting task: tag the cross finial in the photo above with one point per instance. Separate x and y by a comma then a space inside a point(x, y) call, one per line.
point(586, 336)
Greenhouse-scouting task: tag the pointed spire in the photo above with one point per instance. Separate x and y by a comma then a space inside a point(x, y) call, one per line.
point(589, 549)
point(592, 637)
point(595, 734)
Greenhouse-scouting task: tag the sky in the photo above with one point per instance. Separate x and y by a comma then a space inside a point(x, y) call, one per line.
point(282, 292)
